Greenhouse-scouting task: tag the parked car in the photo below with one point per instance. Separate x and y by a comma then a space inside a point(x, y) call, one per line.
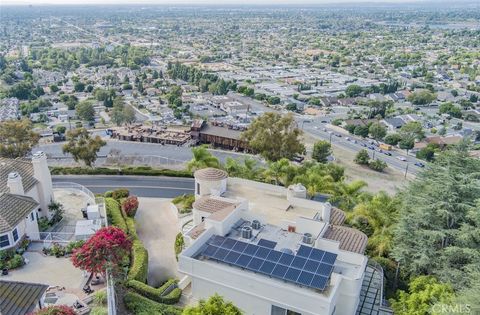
point(364, 145)
point(372, 147)
point(419, 164)
point(387, 153)
point(338, 135)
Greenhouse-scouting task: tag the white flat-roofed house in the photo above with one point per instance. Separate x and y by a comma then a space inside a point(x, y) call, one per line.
point(279, 272)
point(25, 193)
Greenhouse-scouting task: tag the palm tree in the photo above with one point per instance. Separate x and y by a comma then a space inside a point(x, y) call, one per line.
point(376, 218)
point(202, 159)
point(346, 196)
point(281, 172)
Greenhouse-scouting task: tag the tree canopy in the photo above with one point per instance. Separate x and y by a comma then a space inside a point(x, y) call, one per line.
point(321, 151)
point(83, 147)
point(215, 305)
point(17, 138)
point(274, 136)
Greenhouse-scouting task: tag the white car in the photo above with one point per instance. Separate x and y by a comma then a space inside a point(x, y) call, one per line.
point(401, 158)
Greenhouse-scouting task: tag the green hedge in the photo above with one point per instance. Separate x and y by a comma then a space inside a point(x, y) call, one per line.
point(132, 231)
point(156, 294)
point(140, 305)
point(140, 170)
point(139, 268)
point(114, 214)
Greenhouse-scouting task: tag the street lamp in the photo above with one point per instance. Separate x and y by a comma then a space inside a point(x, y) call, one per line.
point(406, 171)
point(331, 138)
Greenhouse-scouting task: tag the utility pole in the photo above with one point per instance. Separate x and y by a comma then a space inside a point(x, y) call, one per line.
point(331, 138)
point(406, 171)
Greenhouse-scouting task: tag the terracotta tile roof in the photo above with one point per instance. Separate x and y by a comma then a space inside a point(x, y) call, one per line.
point(211, 174)
point(196, 231)
point(350, 239)
point(221, 215)
point(337, 216)
point(13, 209)
point(212, 204)
point(23, 167)
point(19, 298)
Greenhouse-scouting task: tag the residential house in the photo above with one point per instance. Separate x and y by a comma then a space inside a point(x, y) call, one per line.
point(25, 193)
point(21, 298)
point(270, 250)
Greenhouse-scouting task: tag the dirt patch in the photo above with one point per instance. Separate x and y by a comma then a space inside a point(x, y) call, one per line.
point(390, 180)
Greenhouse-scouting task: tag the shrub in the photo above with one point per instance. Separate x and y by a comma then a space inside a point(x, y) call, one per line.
point(377, 165)
point(43, 224)
point(138, 304)
point(157, 294)
point(179, 244)
point(108, 194)
point(114, 214)
point(362, 157)
point(130, 206)
point(139, 268)
point(16, 262)
point(57, 250)
point(56, 310)
point(73, 245)
point(100, 298)
point(99, 310)
point(120, 193)
point(132, 231)
point(184, 203)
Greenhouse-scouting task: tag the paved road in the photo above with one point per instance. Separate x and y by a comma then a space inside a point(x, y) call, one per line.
point(143, 186)
point(128, 148)
point(316, 128)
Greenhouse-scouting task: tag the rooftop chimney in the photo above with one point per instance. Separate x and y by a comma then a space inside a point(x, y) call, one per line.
point(15, 184)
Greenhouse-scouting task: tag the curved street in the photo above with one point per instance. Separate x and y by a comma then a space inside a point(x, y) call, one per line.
point(142, 186)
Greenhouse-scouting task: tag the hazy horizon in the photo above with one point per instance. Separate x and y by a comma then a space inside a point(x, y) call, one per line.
point(211, 2)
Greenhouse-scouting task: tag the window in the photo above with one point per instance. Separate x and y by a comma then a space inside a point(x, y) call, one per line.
point(198, 188)
point(4, 241)
point(32, 217)
point(281, 311)
point(15, 235)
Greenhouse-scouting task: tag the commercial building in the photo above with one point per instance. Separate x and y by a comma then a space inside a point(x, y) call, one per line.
point(270, 250)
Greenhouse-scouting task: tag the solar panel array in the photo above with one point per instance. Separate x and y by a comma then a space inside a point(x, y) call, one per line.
point(311, 267)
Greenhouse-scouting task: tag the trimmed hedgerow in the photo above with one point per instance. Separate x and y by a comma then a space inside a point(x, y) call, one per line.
point(140, 170)
point(138, 304)
point(157, 294)
point(114, 214)
point(139, 267)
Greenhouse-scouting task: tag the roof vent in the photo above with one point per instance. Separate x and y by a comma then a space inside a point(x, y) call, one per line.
point(13, 175)
point(307, 238)
point(286, 251)
point(256, 224)
point(247, 232)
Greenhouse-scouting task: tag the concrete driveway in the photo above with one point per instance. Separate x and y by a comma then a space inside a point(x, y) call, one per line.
point(157, 227)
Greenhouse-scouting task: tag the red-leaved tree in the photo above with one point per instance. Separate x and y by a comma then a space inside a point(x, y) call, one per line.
point(104, 250)
point(56, 310)
point(130, 206)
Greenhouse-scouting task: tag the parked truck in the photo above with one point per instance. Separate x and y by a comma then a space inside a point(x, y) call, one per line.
point(385, 146)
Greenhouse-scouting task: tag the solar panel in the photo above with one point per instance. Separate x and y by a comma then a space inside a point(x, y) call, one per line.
point(329, 258)
point(210, 250)
point(239, 247)
point(255, 264)
point(286, 259)
point(325, 269)
point(298, 262)
point(232, 257)
point(251, 249)
point(292, 274)
point(229, 243)
point(304, 251)
point(267, 267)
point(243, 260)
point(316, 254)
point(310, 267)
point(216, 240)
point(220, 254)
point(319, 282)
point(267, 243)
point(279, 271)
point(305, 278)
point(262, 252)
point(274, 256)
